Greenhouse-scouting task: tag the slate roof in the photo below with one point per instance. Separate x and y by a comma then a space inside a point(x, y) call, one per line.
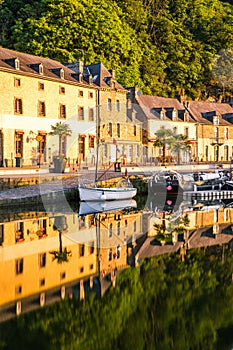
point(151, 248)
point(204, 236)
point(26, 62)
point(152, 105)
point(201, 110)
point(101, 76)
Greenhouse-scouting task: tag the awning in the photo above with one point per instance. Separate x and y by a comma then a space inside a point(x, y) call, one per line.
point(19, 132)
point(193, 142)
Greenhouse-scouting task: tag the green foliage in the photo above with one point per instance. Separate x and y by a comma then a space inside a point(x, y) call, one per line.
point(163, 304)
point(61, 130)
point(164, 47)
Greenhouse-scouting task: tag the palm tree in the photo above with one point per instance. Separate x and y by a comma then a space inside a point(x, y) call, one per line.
point(61, 255)
point(61, 130)
point(164, 138)
point(180, 144)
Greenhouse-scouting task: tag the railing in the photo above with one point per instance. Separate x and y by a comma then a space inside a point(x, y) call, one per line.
point(217, 141)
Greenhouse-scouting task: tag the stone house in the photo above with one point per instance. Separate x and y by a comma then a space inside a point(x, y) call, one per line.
point(214, 130)
point(36, 93)
point(120, 138)
point(156, 113)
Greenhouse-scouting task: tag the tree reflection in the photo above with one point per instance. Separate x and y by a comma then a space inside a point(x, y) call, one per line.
point(61, 255)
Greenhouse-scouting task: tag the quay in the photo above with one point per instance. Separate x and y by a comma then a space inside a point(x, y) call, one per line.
point(36, 185)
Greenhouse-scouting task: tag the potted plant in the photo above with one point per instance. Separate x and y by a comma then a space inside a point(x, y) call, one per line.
point(61, 130)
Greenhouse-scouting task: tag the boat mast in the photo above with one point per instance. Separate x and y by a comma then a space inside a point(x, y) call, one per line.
point(97, 142)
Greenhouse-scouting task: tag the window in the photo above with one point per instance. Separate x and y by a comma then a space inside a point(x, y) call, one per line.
point(62, 90)
point(80, 113)
point(118, 130)
point(109, 254)
point(186, 132)
point(91, 114)
point(134, 130)
point(17, 64)
point(19, 266)
point(1, 234)
point(80, 93)
point(91, 248)
point(91, 267)
point(110, 129)
point(42, 260)
point(18, 144)
point(40, 86)
point(206, 152)
point(62, 111)
point(17, 82)
point(117, 105)
point(175, 130)
point(110, 230)
point(81, 270)
point(41, 109)
point(62, 275)
point(216, 133)
point(109, 104)
point(91, 142)
point(18, 106)
point(90, 95)
point(81, 249)
point(135, 226)
point(118, 228)
point(226, 133)
point(18, 289)
point(42, 282)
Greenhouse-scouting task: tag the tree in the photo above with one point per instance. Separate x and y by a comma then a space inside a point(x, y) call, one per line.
point(62, 131)
point(180, 144)
point(164, 139)
point(223, 70)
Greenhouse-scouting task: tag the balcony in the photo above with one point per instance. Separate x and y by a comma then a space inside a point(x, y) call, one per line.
point(217, 141)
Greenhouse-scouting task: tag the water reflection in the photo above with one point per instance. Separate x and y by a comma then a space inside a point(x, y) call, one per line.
point(48, 255)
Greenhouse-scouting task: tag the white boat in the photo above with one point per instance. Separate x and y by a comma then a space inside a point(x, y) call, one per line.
point(91, 192)
point(106, 193)
point(103, 206)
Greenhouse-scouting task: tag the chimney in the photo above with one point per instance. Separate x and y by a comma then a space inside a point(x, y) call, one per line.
point(112, 72)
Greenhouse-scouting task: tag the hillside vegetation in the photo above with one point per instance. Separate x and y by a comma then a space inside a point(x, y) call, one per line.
point(165, 47)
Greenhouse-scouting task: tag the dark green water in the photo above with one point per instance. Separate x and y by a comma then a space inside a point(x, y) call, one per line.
point(163, 304)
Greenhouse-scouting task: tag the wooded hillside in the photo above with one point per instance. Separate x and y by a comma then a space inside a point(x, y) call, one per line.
point(165, 47)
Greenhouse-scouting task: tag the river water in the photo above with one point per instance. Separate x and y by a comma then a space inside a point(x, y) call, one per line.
point(72, 249)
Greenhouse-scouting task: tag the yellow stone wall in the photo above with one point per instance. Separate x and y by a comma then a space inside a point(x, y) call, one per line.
point(30, 94)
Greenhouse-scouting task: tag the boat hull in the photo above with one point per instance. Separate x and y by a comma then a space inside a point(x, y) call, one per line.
point(104, 206)
point(106, 194)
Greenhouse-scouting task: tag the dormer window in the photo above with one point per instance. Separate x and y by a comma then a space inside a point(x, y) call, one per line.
point(216, 120)
point(41, 69)
point(17, 63)
point(174, 114)
point(59, 72)
point(13, 62)
point(162, 115)
point(186, 116)
point(37, 67)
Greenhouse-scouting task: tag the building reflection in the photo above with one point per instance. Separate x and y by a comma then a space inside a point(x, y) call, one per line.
point(47, 256)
